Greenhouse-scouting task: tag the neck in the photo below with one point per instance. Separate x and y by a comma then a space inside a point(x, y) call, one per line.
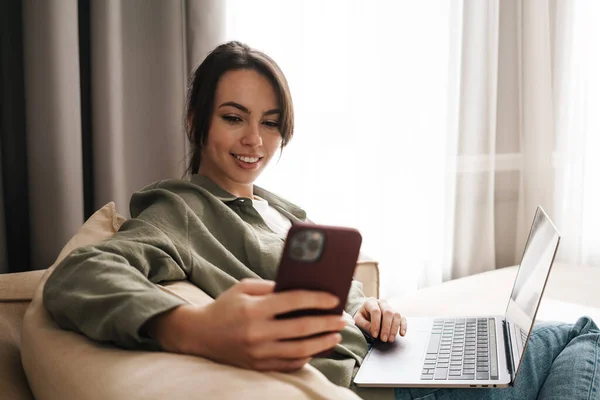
point(235, 188)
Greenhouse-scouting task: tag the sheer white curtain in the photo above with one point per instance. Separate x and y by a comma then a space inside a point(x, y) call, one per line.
point(475, 106)
point(369, 83)
point(528, 129)
point(576, 107)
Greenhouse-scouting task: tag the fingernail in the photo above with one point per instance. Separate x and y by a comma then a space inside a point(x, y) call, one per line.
point(403, 332)
point(384, 338)
point(374, 335)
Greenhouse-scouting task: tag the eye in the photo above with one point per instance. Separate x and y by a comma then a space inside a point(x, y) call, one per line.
point(231, 119)
point(271, 124)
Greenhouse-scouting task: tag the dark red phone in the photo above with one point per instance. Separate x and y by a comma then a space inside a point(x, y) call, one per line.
point(318, 257)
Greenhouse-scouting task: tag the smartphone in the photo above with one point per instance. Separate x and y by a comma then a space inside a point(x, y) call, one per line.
point(321, 258)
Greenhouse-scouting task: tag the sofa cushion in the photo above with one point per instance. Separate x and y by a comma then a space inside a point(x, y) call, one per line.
point(66, 365)
point(16, 290)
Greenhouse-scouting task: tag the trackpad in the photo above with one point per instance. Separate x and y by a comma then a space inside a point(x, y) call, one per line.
point(400, 361)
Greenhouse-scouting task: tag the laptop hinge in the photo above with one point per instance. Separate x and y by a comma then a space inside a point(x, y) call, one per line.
point(508, 348)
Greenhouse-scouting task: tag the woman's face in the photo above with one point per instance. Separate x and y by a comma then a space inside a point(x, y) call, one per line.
point(244, 131)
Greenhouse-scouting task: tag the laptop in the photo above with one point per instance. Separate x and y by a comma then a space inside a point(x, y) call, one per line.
point(471, 351)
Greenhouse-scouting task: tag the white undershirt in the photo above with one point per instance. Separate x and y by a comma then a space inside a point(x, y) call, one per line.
point(273, 218)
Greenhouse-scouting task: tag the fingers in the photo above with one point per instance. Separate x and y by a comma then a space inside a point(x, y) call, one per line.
point(371, 307)
point(295, 349)
point(403, 327)
point(254, 287)
point(397, 323)
point(387, 318)
point(284, 302)
point(302, 327)
point(362, 322)
point(395, 326)
point(380, 319)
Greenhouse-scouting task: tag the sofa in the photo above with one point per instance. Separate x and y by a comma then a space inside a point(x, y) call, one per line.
point(40, 361)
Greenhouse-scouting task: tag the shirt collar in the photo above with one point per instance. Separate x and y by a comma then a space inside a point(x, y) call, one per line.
point(271, 198)
point(214, 189)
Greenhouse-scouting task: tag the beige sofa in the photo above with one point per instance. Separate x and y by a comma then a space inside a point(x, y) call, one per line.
point(38, 360)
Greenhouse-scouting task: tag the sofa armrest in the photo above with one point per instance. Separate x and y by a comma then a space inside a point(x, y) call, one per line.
point(367, 272)
point(19, 286)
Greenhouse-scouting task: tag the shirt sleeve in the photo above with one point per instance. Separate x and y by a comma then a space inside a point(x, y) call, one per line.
point(356, 298)
point(107, 291)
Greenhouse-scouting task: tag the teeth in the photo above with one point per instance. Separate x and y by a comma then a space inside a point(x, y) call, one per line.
point(247, 159)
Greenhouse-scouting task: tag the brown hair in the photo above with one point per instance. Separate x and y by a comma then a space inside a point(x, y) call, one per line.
point(203, 85)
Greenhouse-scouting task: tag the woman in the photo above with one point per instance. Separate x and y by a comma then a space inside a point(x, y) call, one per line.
point(225, 235)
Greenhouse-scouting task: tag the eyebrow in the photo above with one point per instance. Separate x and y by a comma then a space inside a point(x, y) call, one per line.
point(245, 110)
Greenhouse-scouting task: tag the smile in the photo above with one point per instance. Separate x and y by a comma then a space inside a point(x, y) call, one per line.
point(247, 159)
point(248, 162)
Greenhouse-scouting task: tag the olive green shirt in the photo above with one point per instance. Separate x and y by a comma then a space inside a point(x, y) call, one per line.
point(180, 230)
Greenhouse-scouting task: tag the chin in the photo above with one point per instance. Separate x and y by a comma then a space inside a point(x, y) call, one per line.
point(246, 179)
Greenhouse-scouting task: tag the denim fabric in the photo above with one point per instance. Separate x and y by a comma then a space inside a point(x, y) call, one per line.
point(562, 361)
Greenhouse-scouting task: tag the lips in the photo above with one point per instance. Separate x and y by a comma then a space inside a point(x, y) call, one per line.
point(248, 158)
point(253, 162)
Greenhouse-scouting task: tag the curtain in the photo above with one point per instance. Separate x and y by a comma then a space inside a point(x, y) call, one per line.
point(103, 91)
point(476, 136)
point(527, 130)
point(576, 160)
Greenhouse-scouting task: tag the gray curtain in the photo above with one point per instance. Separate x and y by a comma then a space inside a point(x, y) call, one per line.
point(105, 85)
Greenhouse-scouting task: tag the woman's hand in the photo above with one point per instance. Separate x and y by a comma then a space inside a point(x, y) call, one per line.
point(239, 328)
point(378, 318)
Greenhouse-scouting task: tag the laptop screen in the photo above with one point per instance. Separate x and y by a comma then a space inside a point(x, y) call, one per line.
point(530, 281)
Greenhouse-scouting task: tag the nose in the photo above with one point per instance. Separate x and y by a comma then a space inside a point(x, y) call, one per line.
point(252, 136)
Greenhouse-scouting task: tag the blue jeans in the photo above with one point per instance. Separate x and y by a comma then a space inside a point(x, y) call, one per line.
point(562, 361)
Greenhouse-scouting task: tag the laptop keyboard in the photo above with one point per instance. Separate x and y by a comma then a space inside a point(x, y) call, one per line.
point(461, 349)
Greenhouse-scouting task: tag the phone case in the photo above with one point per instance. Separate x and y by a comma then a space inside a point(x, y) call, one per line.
point(319, 257)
